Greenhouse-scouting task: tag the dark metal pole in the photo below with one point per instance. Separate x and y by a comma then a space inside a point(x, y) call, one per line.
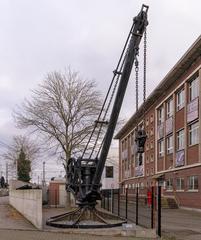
point(119, 202)
point(152, 207)
point(112, 198)
point(108, 200)
point(136, 219)
point(159, 211)
point(126, 203)
point(104, 200)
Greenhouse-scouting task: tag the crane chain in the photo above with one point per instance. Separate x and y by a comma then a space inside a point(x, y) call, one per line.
point(145, 65)
point(136, 82)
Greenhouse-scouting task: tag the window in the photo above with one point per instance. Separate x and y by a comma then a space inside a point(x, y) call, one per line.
point(193, 183)
point(152, 118)
point(152, 171)
point(180, 184)
point(147, 159)
point(194, 89)
point(169, 144)
point(151, 132)
point(122, 146)
point(109, 172)
point(147, 121)
point(180, 99)
point(180, 140)
point(132, 138)
point(169, 184)
point(147, 132)
point(161, 148)
point(194, 133)
point(160, 115)
point(152, 158)
point(152, 145)
point(125, 144)
point(169, 108)
point(147, 146)
point(147, 172)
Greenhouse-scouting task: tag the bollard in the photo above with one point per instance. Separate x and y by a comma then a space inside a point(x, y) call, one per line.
point(118, 202)
point(159, 211)
point(136, 220)
point(152, 207)
point(126, 203)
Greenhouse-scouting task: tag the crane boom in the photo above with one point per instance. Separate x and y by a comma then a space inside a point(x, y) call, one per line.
point(84, 174)
point(139, 26)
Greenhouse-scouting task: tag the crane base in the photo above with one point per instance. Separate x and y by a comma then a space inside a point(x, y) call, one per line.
point(86, 217)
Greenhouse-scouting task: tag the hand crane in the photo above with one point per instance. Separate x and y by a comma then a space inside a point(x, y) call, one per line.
point(84, 174)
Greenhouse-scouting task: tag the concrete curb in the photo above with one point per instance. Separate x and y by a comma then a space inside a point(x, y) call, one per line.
point(139, 233)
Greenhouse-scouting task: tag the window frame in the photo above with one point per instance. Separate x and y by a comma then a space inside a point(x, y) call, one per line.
point(179, 139)
point(180, 104)
point(160, 115)
point(181, 184)
point(194, 130)
point(169, 108)
point(161, 148)
point(193, 89)
point(193, 183)
point(109, 167)
point(169, 148)
point(169, 182)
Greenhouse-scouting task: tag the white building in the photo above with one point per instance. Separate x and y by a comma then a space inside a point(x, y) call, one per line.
point(110, 176)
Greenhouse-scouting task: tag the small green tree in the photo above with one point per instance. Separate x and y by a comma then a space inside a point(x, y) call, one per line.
point(23, 167)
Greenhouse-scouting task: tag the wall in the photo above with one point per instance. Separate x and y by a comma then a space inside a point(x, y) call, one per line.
point(29, 204)
point(112, 160)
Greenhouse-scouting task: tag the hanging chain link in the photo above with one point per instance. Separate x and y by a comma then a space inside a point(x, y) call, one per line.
point(145, 65)
point(136, 81)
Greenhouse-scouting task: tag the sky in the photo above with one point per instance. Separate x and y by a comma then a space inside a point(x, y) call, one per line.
point(40, 36)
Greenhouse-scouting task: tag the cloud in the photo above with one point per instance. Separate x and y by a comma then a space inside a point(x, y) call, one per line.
point(41, 36)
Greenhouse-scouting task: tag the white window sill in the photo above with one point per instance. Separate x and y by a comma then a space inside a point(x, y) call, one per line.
point(193, 190)
point(179, 190)
point(190, 145)
point(180, 108)
point(169, 190)
point(178, 150)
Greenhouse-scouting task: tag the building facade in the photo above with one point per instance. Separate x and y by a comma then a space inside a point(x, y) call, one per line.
point(171, 117)
point(110, 176)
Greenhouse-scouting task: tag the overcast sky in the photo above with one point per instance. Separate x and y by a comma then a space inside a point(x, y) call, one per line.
point(38, 36)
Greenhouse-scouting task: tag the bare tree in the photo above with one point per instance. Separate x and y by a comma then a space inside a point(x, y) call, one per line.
point(63, 110)
point(25, 144)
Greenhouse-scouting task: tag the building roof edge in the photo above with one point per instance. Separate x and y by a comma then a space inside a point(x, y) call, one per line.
point(192, 54)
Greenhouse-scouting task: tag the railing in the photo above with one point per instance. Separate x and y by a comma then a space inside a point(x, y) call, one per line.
point(141, 206)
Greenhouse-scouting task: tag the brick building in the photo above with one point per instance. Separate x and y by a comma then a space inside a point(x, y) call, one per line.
point(171, 117)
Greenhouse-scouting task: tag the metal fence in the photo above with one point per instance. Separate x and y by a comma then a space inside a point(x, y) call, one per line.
point(140, 206)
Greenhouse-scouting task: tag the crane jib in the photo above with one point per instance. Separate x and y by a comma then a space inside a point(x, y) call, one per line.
point(84, 174)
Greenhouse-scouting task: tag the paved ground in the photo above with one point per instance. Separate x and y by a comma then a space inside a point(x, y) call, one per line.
point(11, 219)
point(13, 226)
point(181, 224)
point(176, 224)
point(37, 235)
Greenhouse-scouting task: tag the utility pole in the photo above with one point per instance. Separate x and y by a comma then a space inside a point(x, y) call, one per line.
point(38, 180)
point(43, 182)
point(6, 173)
